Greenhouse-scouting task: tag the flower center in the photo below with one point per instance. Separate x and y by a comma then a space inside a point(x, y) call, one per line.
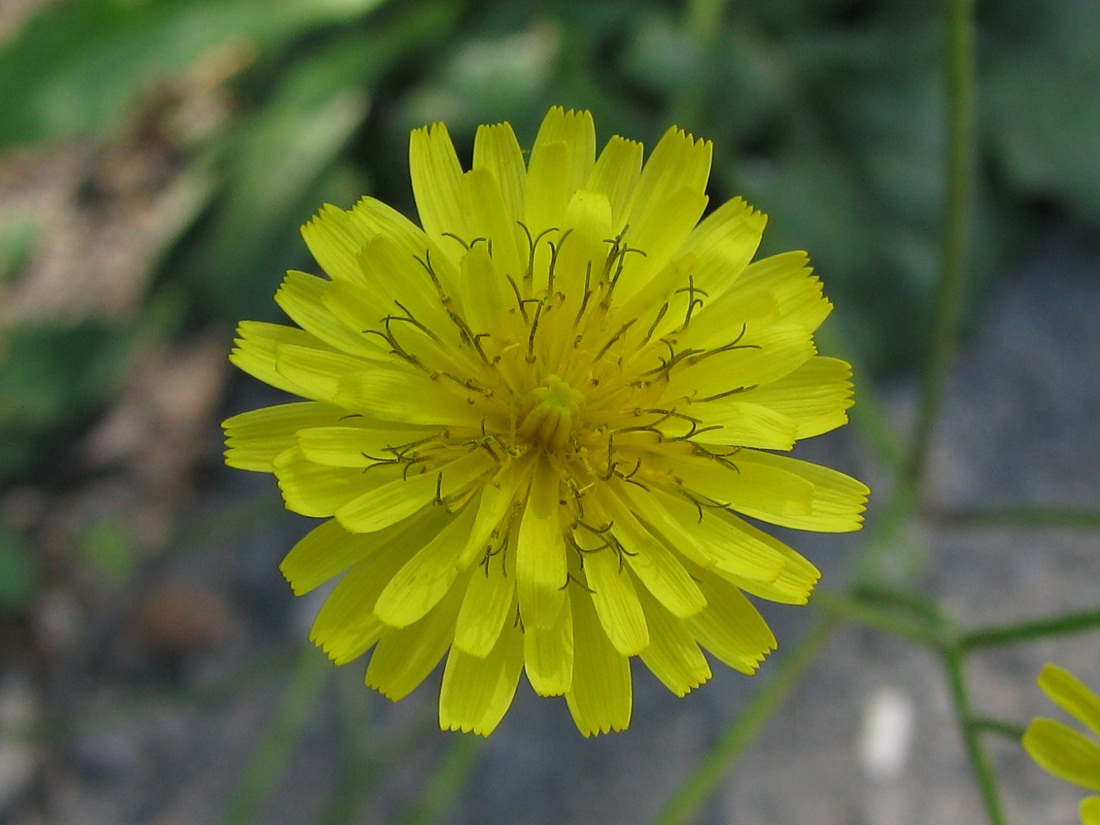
point(550, 421)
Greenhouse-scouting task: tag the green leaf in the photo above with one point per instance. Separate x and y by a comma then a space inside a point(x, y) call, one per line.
point(109, 546)
point(53, 378)
point(282, 162)
point(1042, 86)
point(17, 576)
point(77, 65)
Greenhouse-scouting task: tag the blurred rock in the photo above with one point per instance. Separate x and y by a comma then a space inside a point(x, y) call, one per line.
point(18, 756)
point(176, 620)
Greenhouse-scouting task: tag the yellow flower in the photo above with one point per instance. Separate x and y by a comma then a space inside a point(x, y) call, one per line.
point(535, 424)
point(1061, 750)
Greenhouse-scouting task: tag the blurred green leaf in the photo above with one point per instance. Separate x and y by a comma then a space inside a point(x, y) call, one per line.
point(53, 379)
point(278, 161)
point(1042, 87)
point(17, 241)
point(109, 547)
point(17, 577)
point(78, 64)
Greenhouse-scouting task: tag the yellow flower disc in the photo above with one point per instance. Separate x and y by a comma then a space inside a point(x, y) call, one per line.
point(536, 423)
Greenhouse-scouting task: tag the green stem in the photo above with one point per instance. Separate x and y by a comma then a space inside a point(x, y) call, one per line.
point(446, 784)
point(959, 77)
point(884, 619)
point(979, 762)
point(270, 755)
point(1024, 516)
point(983, 724)
point(869, 415)
point(1029, 631)
point(708, 775)
point(880, 548)
point(361, 767)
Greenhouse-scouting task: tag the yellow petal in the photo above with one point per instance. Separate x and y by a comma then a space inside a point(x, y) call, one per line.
point(437, 181)
point(329, 549)
point(334, 239)
point(678, 161)
point(673, 178)
point(752, 487)
point(405, 657)
point(548, 189)
point(483, 300)
point(653, 563)
point(357, 307)
point(346, 627)
point(315, 490)
point(497, 499)
point(254, 352)
point(404, 278)
point(255, 437)
point(540, 557)
point(426, 577)
point(615, 174)
point(741, 424)
point(723, 244)
point(616, 601)
point(302, 298)
point(1071, 695)
point(790, 279)
point(749, 360)
point(1064, 752)
point(392, 501)
point(730, 627)
point(362, 446)
point(577, 131)
point(324, 552)
point(588, 221)
point(477, 691)
point(600, 697)
point(673, 655)
point(838, 500)
point(489, 223)
point(659, 233)
point(1090, 810)
point(318, 371)
point(815, 396)
point(380, 220)
point(796, 580)
point(497, 151)
point(709, 541)
point(406, 396)
point(489, 604)
point(548, 653)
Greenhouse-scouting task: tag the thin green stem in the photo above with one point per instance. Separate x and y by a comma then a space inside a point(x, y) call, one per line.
point(360, 768)
point(447, 782)
point(954, 664)
point(271, 753)
point(708, 775)
point(959, 77)
point(879, 553)
point(983, 724)
point(869, 415)
point(1025, 516)
point(884, 619)
point(1030, 631)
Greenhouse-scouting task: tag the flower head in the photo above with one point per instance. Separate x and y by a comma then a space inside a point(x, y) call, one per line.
point(1061, 750)
point(535, 424)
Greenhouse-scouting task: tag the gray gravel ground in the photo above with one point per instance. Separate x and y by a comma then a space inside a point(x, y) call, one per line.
point(866, 739)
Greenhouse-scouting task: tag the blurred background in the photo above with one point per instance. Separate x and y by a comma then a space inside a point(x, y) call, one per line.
point(156, 160)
